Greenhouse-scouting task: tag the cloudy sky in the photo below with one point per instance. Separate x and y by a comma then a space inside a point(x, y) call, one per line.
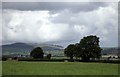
point(59, 23)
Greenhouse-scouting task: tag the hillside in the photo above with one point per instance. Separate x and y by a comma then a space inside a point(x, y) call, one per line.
point(55, 50)
point(110, 50)
point(25, 49)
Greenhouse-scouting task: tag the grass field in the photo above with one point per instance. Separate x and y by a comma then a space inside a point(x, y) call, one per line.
point(58, 68)
point(0, 68)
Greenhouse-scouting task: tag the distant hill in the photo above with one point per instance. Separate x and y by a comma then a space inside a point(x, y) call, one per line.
point(110, 50)
point(16, 48)
point(47, 47)
point(26, 48)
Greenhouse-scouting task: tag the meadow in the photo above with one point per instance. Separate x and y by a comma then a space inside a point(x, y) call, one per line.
point(58, 68)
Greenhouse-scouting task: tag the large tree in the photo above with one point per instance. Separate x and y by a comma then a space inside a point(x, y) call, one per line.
point(70, 51)
point(37, 53)
point(89, 48)
point(77, 53)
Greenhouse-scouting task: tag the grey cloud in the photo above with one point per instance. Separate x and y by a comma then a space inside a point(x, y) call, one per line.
point(101, 22)
point(54, 6)
point(61, 27)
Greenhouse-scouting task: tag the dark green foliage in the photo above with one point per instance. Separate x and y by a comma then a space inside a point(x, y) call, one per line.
point(62, 60)
point(113, 56)
point(70, 51)
point(15, 58)
point(48, 56)
point(4, 58)
point(89, 48)
point(77, 53)
point(37, 53)
point(110, 61)
point(41, 60)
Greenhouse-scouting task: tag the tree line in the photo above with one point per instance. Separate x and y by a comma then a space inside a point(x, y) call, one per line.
point(88, 48)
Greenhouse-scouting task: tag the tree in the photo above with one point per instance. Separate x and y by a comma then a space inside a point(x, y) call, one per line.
point(70, 51)
point(89, 48)
point(15, 58)
point(77, 53)
point(48, 56)
point(37, 53)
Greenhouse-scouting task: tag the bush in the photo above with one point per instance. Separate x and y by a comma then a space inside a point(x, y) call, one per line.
point(48, 56)
point(110, 61)
point(4, 58)
point(41, 60)
point(113, 56)
point(37, 53)
point(15, 58)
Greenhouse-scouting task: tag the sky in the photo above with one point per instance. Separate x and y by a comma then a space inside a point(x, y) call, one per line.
point(60, 23)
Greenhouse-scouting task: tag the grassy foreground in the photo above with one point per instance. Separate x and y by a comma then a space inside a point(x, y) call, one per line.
point(58, 68)
point(0, 68)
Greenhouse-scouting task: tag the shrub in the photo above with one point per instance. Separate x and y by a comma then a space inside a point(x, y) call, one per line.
point(48, 56)
point(4, 58)
point(37, 53)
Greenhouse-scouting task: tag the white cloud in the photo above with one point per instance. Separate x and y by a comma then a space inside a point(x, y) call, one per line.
point(82, 29)
point(42, 26)
point(30, 26)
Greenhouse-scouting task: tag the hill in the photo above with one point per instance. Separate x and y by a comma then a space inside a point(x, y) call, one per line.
point(26, 48)
point(55, 50)
point(110, 50)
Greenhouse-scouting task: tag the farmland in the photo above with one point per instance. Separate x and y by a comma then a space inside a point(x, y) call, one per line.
point(58, 68)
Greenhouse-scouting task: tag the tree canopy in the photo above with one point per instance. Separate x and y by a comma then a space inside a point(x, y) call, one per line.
point(87, 48)
point(70, 51)
point(37, 53)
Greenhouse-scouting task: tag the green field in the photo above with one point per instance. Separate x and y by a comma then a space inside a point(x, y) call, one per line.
point(0, 68)
point(58, 68)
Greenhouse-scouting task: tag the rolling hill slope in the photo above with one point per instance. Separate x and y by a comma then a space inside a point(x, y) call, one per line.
point(25, 48)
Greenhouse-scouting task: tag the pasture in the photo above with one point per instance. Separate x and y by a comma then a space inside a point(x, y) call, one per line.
point(58, 68)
